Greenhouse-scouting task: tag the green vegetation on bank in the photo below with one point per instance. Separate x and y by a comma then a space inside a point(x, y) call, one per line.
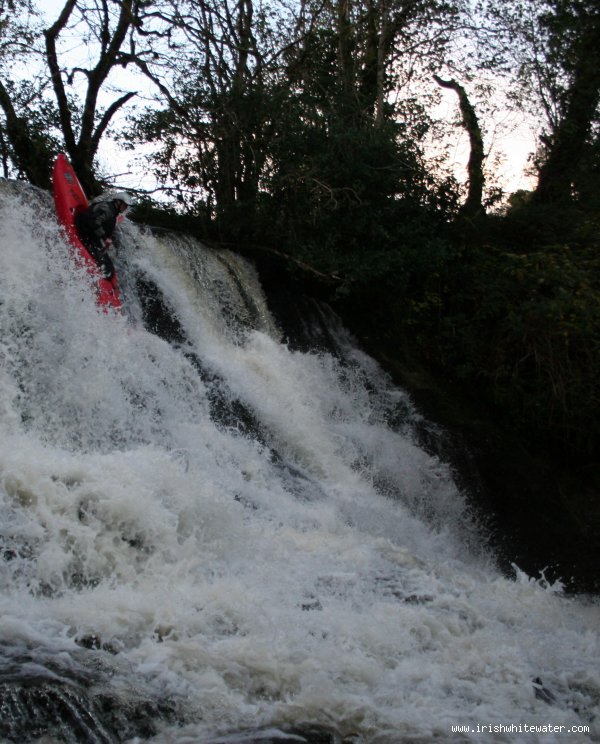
point(514, 323)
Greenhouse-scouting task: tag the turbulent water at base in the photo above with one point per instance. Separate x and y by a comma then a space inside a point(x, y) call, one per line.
point(205, 533)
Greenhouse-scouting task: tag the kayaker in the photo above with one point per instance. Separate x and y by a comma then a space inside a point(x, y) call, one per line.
point(96, 226)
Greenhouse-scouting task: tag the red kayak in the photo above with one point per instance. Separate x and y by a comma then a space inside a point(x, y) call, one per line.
point(69, 200)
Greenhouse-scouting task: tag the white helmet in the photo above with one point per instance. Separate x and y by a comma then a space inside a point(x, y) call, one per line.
point(124, 197)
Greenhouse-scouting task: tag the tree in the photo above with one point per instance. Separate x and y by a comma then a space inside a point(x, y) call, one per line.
point(552, 50)
point(219, 102)
point(573, 30)
point(38, 113)
point(473, 205)
point(29, 137)
point(267, 100)
point(25, 134)
point(107, 26)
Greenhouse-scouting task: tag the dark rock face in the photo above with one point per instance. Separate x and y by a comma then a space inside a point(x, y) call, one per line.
point(68, 699)
point(32, 708)
point(49, 696)
point(38, 708)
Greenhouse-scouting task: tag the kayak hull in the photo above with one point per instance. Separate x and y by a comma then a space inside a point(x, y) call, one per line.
point(69, 200)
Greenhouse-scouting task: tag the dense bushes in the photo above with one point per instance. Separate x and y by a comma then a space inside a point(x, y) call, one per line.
point(527, 327)
point(517, 326)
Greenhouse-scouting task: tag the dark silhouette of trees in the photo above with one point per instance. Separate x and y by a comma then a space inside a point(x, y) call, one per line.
point(25, 139)
point(111, 24)
point(46, 113)
point(573, 30)
point(551, 48)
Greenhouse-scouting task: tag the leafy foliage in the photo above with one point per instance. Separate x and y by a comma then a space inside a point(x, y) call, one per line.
point(515, 322)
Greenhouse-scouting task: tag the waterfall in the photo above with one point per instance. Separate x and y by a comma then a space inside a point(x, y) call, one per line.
point(207, 534)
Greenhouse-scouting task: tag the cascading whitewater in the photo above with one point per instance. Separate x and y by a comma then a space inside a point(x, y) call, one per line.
point(203, 531)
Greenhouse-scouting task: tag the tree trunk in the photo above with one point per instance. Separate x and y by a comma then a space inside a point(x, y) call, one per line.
point(378, 36)
point(473, 205)
point(346, 43)
point(385, 37)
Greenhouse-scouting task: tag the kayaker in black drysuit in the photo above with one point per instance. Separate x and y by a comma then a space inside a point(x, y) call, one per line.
point(96, 226)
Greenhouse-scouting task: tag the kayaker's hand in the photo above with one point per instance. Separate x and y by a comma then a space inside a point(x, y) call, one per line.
point(107, 268)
